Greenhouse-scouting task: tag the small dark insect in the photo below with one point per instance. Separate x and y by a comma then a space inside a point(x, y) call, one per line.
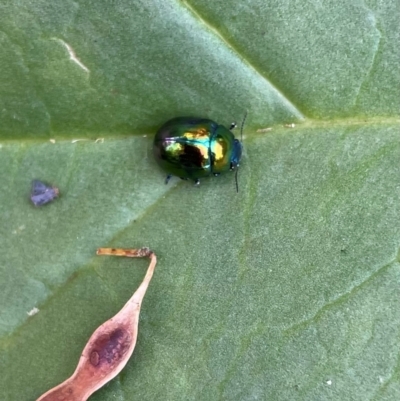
point(42, 193)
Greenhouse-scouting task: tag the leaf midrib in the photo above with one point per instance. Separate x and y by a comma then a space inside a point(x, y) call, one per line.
point(299, 126)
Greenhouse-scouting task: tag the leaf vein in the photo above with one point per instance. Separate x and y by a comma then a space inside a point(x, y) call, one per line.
point(285, 99)
point(339, 300)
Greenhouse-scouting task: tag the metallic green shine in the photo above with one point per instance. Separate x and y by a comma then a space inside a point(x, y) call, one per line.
point(191, 148)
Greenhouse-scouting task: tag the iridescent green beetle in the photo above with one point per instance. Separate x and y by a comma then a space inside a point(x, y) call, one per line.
point(192, 148)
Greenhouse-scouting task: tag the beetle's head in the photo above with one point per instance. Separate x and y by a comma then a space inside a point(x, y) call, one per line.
point(236, 154)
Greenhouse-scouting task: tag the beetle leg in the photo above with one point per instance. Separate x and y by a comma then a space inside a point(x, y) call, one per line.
point(168, 177)
point(233, 125)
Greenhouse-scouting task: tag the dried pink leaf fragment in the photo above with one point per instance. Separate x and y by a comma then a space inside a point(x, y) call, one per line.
point(110, 346)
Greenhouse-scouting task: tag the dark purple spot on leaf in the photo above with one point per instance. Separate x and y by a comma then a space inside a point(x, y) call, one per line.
point(42, 193)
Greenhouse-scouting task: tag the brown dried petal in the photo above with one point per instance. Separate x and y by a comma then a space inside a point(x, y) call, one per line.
point(110, 346)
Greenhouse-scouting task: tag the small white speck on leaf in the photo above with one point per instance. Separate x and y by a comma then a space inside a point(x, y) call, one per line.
point(292, 125)
point(264, 129)
point(79, 140)
point(33, 311)
point(72, 55)
point(329, 382)
point(52, 140)
point(19, 229)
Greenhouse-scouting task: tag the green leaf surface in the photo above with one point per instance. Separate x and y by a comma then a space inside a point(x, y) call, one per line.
point(288, 290)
